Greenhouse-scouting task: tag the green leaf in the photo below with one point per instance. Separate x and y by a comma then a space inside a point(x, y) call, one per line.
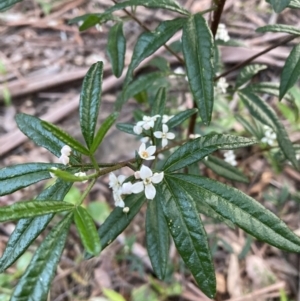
point(105, 126)
point(294, 4)
point(149, 42)
point(279, 28)
point(90, 99)
point(67, 176)
point(198, 51)
point(27, 230)
point(32, 208)
point(112, 295)
point(90, 20)
point(126, 128)
point(35, 282)
point(224, 169)
point(6, 4)
point(279, 5)
point(247, 73)
point(248, 126)
point(65, 137)
point(13, 178)
point(87, 231)
point(166, 4)
point(243, 211)
point(290, 72)
point(188, 233)
point(157, 238)
point(260, 110)
point(158, 107)
point(116, 47)
point(196, 149)
point(180, 117)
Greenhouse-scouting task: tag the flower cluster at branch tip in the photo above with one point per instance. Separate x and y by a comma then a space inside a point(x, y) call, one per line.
point(222, 33)
point(146, 124)
point(230, 158)
point(65, 154)
point(222, 86)
point(269, 135)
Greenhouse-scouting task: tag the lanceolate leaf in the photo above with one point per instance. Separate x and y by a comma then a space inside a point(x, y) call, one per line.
point(159, 102)
point(36, 281)
point(32, 208)
point(260, 110)
point(149, 42)
point(94, 19)
point(27, 230)
point(242, 210)
point(65, 137)
point(157, 237)
point(188, 233)
point(105, 126)
point(294, 4)
point(67, 176)
point(279, 28)
point(90, 98)
point(126, 127)
point(87, 231)
point(198, 51)
point(5, 4)
point(290, 72)
point(180, 117)
point(195, 150)
point(13, 178)
point(279, 5)
point(116, 47)
point(247, 73)
point(225, 169)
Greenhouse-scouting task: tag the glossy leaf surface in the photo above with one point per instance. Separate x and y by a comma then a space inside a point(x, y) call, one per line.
point(126, 128)
point(279, 28)
point(159, 104)
point(180, 117)
point(6, 4)
point(279, 5)
point(247, 73)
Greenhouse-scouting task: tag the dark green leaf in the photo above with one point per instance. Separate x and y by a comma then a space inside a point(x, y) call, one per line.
point(149, 42)
point(36, 281)
point(65, 137)
point(158, 107)
point(260, 110)
point(157, 238)
point(180, 117)
point(32, 208)
point(116, 47)
point(105, 126)
point(87, 231)
point(279, 28)
point(279, 5)
point(224, 169)
point(247, 73)
point(27, 230)
point(13, 178)
point(188, 233)
point(6, 4)
point(195, 150)
point(198, 51)
point(243, 211)
point(126, 127)
point(248, 126)
point(90, 99)
point(290, 72)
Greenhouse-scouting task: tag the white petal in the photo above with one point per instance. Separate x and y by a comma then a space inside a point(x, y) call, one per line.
point(142, 148)
point(164, 142)
point(137, 174)
point(121, 179)
point(137, 187)
point(150, 192)
point(151, 123)
point(149, 158)
point(126, 188)
point(145, 172)
point(66, 150)
point(157, 177)
point(146, 126)
point(158, 134)
point(64, 159)
point(151, 150)
point(145, 139)
point(170, 136)
point(113, 181)
point(126, 209)
point(165, 128)
point(137, 129)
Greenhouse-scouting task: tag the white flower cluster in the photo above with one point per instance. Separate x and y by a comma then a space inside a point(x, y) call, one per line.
point(230, 158)
point(222, 86)
point(222, 33)
point(269, 135)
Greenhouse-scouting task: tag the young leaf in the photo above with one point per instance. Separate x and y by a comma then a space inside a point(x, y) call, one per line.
point(157, 238)
point(32, 208)
point(65, 137)
point(180, 117)
point(279, 28)
point(198, 51)
point(90, 98)
point(242, 210)
point(67, 176)
point(13, 178)
point(126, 128)
point(5, 4)
point(224, 169)
point(279, 5)
point(87, 231)
point(294, 4)
point(159, 104)
point(260, 110)
point(290, 72)
point(149, 42)
point(195, 150)
point(36, 281)
point(188, 233)
point(105, 126)
point(247, 73)
point(27, 230)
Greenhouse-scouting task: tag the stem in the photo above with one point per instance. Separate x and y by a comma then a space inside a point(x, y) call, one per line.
point(95, 164)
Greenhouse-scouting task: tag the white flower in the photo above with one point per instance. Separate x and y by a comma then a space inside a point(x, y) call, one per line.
point(146, 153)
point(138, 128)
point(99, 27)
point(116, 184)
point(148, 121)
point(179, 70)
point(222, 85)
point(269, 135)
point(164, 135)
point(148, 178)
point(64, 159)
point(81, 174)
point(194, 136)
point(166, 118)
point(66, 150)
point(145, 139)
point(230, 158)
point(118, 198)
point(52, 175)
point(222, 33)
point(126, 188)
point(126, 209)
